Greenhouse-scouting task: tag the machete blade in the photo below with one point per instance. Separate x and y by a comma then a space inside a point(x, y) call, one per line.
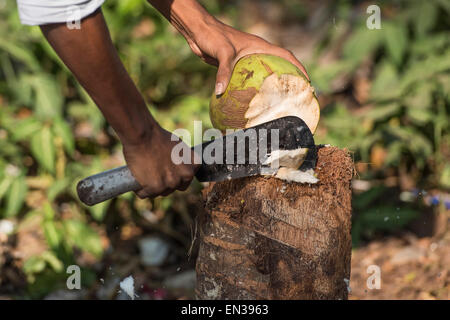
point(251, 147)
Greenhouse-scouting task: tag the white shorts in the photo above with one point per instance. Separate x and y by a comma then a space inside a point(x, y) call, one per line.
point(38, 12)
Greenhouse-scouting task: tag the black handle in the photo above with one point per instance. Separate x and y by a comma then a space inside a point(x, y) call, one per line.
point(106, 185)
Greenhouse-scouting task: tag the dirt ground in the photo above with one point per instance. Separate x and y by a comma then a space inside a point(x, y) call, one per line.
point(410, 268)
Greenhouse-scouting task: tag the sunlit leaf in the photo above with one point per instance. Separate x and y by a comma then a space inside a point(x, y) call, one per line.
point(5, 183)
point(362, 43)
point(48, 96)
point(52, 234)
point(16, 196)
point(25, 128)
point(52, 260)
point(396, 39)
point(385, 85)
point(34, 264)
point(445, 177)
point(43, 149)
point(21, 53)
point(57, 188)
point(383, 112)
point(98, 211)
point(83, 236)
point(63, 130)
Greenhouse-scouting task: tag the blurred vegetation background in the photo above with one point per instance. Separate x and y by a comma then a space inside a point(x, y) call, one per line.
point(384, 95)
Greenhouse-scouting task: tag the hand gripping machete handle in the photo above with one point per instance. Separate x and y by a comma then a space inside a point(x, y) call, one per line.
point(106, 185)
point(112, 183)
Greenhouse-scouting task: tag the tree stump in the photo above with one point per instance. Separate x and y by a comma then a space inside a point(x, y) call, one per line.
point(265, 238)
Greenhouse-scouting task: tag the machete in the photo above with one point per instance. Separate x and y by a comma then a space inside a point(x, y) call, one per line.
point(242, 155)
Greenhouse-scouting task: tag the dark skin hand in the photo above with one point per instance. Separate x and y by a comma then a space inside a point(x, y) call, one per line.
point(89, 53)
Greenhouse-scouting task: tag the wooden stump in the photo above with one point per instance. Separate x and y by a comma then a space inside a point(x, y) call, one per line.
point(264, 238)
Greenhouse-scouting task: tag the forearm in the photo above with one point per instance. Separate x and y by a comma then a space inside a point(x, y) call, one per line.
point(187, 16)
point(89, 53)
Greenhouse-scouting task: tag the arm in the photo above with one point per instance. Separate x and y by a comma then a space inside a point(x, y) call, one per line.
point(91, 56)
point(89, 53)
point(215, 42)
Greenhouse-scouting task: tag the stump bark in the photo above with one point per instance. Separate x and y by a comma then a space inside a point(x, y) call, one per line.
point(265, 238)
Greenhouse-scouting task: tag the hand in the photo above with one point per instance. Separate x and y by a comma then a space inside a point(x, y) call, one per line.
point(223, 46)
point(151, 165)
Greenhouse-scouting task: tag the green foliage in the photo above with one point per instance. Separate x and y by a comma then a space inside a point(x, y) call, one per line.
point(408, 105)
point(374, 214)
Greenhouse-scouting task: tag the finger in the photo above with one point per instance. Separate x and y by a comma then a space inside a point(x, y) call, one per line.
point(184, 185)
point(167, 191)
point(142, 194)
point(150, 192)
point(223, 76)
point(292, 59)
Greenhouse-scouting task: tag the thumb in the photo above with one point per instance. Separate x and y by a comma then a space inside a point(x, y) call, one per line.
point(223, 77)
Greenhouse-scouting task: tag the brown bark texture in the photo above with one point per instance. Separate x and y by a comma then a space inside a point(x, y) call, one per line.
point(265, 238)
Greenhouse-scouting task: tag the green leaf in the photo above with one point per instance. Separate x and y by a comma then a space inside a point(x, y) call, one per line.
point(421, 97)
point(63, 130)
point(130, 7)
point(52, 234)
point(414, 141)
point(48, 96)
point(394, 155)
point(53, 261)
point(396, 40)
point(83, 236)
point(419, 116)
point(21, 53)
point(16, 196)
point(383, 112)
point(361, 44)
point(43, 149)
point(366, 198)
point(99, 210)
point(425, 70)
point(5, 183)
point(385, 85)
point(49, 213)
point(25, 128)
point(444, 180)
point(430, 44)
point(57, 188)
point(387, 218)
point(33, 265)
point(426, 17)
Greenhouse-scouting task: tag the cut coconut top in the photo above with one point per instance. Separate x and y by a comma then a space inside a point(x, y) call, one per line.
point(281, 96)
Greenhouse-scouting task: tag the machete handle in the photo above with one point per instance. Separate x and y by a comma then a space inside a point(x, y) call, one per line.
point(106, 185)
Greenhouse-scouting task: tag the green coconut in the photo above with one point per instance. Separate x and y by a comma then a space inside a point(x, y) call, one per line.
point(263, 88)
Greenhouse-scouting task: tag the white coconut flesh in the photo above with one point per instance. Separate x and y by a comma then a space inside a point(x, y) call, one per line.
point(287, 162)
point(294, 175)
point(281, 96)
point(286, 158)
